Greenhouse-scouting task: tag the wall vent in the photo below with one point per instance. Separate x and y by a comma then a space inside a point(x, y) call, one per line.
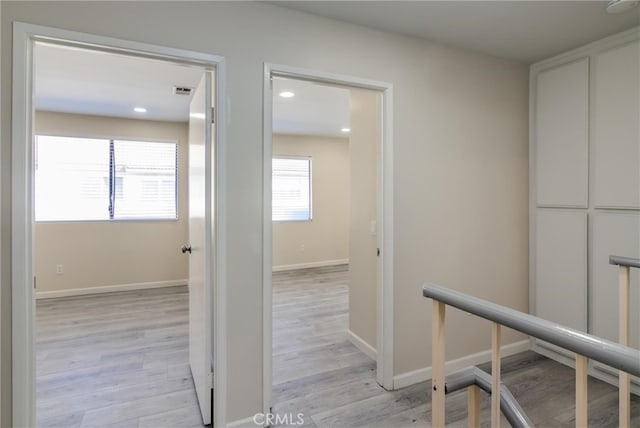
point(182, 90)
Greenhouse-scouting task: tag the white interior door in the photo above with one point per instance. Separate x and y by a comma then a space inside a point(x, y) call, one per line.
point(201, 243)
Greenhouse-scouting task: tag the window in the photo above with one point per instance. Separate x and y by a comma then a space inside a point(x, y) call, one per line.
point(291, 189)
point(80, 179)
point(147, 172)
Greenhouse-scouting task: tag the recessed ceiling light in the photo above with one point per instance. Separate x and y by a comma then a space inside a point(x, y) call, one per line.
point(346, 130)
point(286, 94)
point(140, 110)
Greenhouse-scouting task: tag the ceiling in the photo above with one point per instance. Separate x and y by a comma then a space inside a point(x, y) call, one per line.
point(74, 80)
point(526, 31)
point(314, 110)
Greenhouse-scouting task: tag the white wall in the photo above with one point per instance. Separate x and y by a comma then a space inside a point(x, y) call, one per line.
point(460, 160)
point(363, 151)
point(325, 239)
point(113, 253)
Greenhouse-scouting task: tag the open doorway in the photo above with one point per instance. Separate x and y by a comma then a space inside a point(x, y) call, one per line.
point(154, 171)
point(324, 302)
point(324, 237)
point(111, 212)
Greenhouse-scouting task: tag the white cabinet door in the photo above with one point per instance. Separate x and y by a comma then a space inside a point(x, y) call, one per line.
point(616, 127)
point(561, 135)
point(561, 267)
point(613, 233)
point(585, 182)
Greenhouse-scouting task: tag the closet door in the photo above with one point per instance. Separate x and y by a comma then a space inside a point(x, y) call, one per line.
point(615, 159)
point(561, 267)
point(561, 135)
point(613, 233)
point(585, 187)
point(561, 170)
point(616, 127)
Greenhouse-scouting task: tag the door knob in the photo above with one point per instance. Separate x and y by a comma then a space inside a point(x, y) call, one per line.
point(186, 249)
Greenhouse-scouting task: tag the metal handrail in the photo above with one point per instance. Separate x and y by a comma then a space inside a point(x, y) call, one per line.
point(610, 353)
point(509, 406)
point(586, 346)
point(624, 261)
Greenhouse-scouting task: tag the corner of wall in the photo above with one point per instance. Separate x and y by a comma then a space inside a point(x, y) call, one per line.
point(5, 227)
point(424, 374)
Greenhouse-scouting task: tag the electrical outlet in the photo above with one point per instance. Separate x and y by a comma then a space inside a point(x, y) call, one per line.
point(59, 269)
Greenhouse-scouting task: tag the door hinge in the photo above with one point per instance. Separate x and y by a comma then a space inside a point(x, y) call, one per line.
point(34, 282)
point(213, 115)
point(213, 380)
point(378, 252)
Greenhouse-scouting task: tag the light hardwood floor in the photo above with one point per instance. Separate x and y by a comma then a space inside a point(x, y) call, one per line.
point(117, 359)
point(120, 360)
point(319, 373)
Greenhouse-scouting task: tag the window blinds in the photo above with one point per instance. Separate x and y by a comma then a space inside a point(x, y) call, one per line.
point(291, 189)
point(94, 179)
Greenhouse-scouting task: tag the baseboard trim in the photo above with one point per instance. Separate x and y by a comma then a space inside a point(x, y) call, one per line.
point(424, 374)
point(323, 263)
point(597, 370)
point(108, 289)
point(359, 343)
point(246, 422)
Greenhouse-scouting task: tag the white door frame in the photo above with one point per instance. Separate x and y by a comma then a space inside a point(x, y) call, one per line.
point(384, 369)
point(22, 260)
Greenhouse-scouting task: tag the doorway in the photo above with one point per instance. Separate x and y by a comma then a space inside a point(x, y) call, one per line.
point(380, 227)
point(24, 353)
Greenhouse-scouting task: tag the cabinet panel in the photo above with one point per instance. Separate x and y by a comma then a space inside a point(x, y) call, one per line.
point(562, 114)
point(617, 234)
point(561, 267)
point(616, 127)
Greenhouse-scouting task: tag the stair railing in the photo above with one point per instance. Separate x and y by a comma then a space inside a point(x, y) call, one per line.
point(624, 289)
point(585, 346)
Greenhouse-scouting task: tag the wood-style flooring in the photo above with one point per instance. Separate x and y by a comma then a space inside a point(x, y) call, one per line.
point(319, 373)
point(120, 360)
point(115, 360)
